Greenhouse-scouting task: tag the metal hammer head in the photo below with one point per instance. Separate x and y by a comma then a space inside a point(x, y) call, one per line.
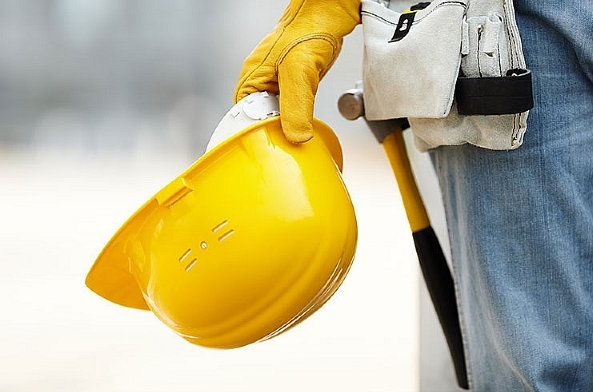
point(351, 107)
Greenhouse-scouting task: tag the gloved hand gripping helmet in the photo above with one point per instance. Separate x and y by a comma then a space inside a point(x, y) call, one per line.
point(250, 240)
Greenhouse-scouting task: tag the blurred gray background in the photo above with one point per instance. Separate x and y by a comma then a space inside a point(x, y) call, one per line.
point(110, 74)
point(102, 102)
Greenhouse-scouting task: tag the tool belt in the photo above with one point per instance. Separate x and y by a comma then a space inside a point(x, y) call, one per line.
point(454, 68)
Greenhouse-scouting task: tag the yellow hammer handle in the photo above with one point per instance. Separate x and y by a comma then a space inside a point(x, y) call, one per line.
point(395, 148)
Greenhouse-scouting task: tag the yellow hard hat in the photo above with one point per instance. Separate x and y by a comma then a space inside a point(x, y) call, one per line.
point(251, 239)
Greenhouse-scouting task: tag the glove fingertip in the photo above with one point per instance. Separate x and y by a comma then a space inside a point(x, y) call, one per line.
point(297, 134)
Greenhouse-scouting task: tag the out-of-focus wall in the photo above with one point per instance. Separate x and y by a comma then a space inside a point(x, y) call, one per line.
point(115, 73)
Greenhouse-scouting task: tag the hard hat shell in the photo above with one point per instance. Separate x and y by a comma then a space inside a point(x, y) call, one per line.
point(251, 239)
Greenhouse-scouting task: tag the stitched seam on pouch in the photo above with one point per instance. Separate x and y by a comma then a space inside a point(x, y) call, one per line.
point(382, 19)
point(511, 37)
point(445, 3)
point(516, 126)
point(375, 16)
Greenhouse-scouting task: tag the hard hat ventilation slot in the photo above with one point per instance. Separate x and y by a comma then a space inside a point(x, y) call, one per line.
point(221, 225)
point(226, 235)
point(191, 264)
point(184, 255)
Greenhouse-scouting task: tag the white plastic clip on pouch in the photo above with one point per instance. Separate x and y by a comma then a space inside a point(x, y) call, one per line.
point(454, 68)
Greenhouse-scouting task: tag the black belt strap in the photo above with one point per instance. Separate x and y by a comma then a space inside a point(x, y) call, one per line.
point(495, 95)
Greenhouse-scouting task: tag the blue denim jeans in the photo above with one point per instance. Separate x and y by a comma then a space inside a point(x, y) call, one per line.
point(521, 222)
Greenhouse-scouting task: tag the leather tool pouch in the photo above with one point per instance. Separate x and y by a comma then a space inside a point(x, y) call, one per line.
point(454, 68)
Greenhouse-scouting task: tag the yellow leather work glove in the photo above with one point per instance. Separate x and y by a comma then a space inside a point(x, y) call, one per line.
point(295, 55)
